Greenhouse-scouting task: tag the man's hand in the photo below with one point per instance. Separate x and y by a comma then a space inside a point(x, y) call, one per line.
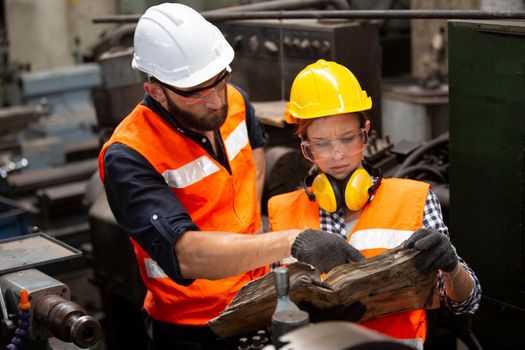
point(351, 313)
point(437, 251)
point(323, 250)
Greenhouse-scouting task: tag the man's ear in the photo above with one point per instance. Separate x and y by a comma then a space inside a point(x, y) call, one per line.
point(156, 92)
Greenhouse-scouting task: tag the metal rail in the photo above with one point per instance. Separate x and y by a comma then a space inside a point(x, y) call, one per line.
point(338, 14)
point(277, 5)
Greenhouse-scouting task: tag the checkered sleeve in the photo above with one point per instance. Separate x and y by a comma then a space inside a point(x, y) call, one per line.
point(433, 219)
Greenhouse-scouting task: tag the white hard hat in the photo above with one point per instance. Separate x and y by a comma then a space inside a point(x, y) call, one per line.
point(179, 47)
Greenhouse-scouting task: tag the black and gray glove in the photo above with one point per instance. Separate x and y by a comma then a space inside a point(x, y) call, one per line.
point(437, 251)
point(323, 250)
point(351, 313)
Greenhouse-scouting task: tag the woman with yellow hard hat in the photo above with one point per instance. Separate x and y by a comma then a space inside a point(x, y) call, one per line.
point(350, 199)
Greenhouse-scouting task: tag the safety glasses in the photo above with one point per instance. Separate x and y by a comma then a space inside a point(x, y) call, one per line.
point(348, 144)
point(199, 95)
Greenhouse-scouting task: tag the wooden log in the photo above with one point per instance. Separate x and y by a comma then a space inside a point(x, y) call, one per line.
point(386, 284)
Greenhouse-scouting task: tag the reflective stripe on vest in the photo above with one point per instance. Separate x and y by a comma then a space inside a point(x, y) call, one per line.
point(153, 270)
point(237, 140)
point(198, 169)
point(415, 343)
point(379, 238)
point(190, 173)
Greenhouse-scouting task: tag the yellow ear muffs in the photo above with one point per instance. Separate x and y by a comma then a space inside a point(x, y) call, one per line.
point(356, 189)
point(326, 193)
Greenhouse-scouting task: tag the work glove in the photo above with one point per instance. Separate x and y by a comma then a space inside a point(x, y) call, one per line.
point(351, 313)
point(323, 250)
point(436, 251)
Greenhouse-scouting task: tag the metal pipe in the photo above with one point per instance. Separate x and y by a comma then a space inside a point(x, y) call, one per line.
point(341, 14)
point(120, 33)
point(3, 310)
point(281, 5)
point(117, 37)
point(427, 169)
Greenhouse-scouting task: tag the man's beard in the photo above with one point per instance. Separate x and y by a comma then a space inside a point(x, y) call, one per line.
point(191, 121)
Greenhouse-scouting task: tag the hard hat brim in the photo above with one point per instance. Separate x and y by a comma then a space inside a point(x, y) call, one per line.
point(206, 73)
point(293, 112)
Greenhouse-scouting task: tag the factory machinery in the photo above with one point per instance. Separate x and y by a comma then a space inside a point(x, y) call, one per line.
point(48, 171)
point(35, 309)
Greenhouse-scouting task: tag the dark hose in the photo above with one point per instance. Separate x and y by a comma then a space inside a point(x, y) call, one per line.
point(412, 158)
point(421, 168)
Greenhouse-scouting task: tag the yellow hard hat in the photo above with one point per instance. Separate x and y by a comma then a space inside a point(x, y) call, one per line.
point(325, 88)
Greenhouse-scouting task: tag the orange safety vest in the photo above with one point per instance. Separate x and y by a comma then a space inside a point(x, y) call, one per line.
point(215, 199)
point(388, 220)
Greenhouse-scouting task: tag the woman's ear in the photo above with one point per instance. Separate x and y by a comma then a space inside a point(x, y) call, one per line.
point(367, 125)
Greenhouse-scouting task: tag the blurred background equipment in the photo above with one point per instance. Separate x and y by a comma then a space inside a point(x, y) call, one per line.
point(14, 219)
point(50, 312)
point(281, 48)
point(487, 129)
point(66, 83)
point(116, 275)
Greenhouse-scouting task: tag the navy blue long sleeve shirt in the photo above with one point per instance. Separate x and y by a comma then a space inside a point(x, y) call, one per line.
point(142, 202)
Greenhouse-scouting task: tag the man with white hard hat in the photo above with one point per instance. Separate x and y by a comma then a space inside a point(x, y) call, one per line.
point(183, 173)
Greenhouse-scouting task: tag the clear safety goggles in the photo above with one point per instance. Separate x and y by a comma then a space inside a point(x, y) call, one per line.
point(348, 144)
point(199, 95)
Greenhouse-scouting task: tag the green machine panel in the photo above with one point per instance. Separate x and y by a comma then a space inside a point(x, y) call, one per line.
point(487, 170)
